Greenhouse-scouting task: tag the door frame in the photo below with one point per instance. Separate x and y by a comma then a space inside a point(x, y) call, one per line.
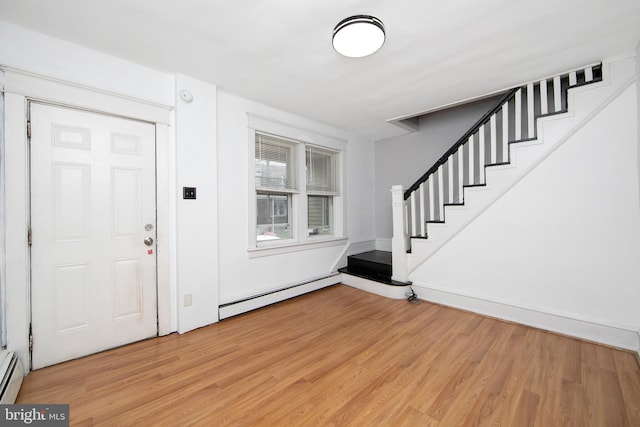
point(19, 88)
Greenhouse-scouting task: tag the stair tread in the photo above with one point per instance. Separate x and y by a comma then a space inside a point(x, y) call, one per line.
point(380, 257)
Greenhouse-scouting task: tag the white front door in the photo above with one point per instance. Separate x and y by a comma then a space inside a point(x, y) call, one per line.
point(93, 275)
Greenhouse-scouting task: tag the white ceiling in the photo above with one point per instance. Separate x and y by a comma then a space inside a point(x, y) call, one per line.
point(279, 52)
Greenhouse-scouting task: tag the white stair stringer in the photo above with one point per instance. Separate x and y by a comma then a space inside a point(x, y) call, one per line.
point(552, 131)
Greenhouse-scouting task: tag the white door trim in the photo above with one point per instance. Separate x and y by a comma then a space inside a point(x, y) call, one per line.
point(20, 87)
point(44, 88)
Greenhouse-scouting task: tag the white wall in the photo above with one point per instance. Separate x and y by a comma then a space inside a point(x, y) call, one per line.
point(403, 159)
point(197, 220)
point(638, 100)
point(563, 245)
point(30, 51)
point(242, 276)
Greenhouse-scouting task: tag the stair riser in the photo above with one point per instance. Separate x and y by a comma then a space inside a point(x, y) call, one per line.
point(370, 267)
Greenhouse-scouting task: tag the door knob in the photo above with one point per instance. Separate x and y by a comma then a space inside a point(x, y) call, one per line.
point(148, 241)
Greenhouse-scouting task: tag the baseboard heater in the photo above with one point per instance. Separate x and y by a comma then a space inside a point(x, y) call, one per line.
point(251, 303)
point(11, 373)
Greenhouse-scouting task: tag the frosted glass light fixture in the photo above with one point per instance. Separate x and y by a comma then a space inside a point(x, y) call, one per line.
point(358, 36)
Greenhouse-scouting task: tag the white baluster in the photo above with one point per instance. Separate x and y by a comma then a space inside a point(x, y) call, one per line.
point(573, 78)
point(518, 114)
point(460, 175)
point(440, 193)
point(432, 214)
point(544, 108)
point(557, 94)
point(423, 200)
point(481, 156)
point(530, 112)
point(414, 215)
point(588, 74)
point(494, 140)
point(407, 227)
point(450, 178)
point(471, 161)
point(505, 132)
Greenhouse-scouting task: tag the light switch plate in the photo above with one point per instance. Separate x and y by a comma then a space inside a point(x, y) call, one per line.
point(189, 193)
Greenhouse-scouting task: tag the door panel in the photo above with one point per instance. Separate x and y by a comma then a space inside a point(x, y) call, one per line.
point(93, 279)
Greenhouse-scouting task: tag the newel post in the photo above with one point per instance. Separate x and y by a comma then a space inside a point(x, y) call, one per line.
point(400, 240)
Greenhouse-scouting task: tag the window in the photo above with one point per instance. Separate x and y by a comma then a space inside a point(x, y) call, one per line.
point(321, 188)
point(320, 215)
point(321, 170)
point(275, 163)
point(275, 186)
point(273, 216)
point(297, 192)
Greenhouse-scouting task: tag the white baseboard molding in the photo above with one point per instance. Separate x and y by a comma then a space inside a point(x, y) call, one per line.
point(253, 303)
point(11, 375)
point(611, 335)
point(383, 245)
point(389, 291)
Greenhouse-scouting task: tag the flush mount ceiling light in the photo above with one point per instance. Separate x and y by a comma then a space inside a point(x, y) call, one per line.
point(358, 36)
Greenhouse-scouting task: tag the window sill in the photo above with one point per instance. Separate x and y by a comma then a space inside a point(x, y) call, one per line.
point(285, 248)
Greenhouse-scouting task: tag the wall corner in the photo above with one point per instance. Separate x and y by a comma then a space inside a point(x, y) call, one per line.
point(196, 219)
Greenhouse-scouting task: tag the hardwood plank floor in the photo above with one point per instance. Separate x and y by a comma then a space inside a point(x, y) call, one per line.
point(340, 356)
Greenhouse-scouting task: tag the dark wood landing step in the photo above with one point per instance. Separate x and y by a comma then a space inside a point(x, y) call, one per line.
point(378, 262)
point(372, 265)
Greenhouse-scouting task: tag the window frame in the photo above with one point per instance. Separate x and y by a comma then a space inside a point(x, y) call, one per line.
point(302, 138)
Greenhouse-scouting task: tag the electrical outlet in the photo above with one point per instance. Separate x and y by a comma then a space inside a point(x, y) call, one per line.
point(187, 300)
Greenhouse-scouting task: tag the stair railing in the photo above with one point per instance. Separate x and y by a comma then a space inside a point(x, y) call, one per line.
point(513, 119)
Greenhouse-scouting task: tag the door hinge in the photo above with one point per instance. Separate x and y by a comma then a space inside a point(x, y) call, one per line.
point(30, 338)
point(29, 235)
point(29, 130)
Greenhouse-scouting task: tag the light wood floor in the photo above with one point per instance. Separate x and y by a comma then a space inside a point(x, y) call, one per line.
point(341, 356)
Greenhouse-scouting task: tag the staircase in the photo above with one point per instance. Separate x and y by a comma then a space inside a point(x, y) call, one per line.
point(512, 121)
point(524, 127)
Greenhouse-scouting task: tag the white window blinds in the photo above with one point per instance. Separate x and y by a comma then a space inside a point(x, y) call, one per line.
point(275, 163)
point(321, 171)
